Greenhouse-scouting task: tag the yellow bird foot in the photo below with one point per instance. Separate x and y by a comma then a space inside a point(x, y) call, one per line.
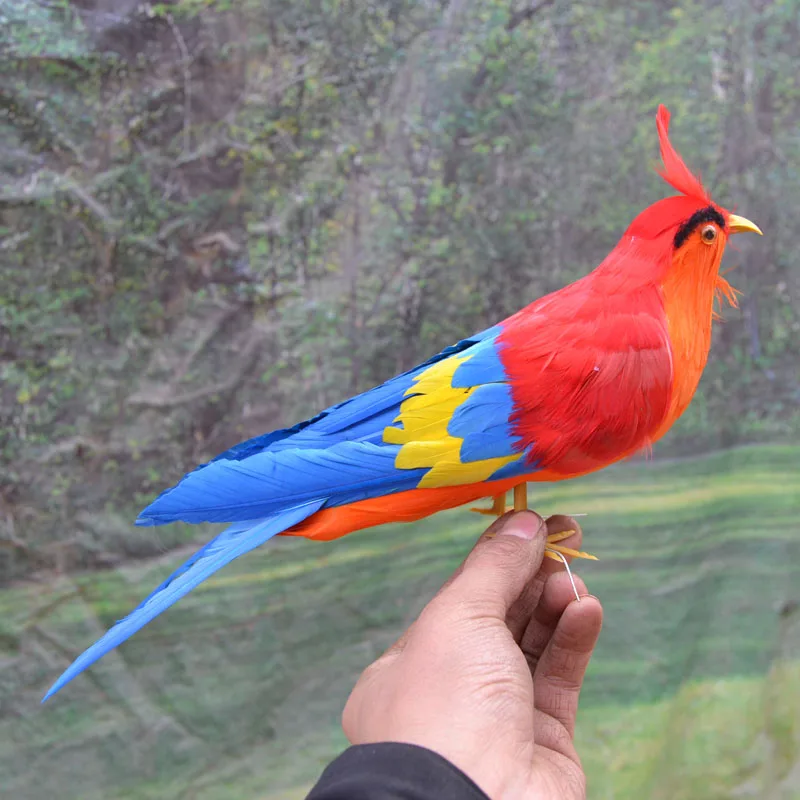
point(559, 553)
point(553, 550)
point(497, 509)
point(552, 547)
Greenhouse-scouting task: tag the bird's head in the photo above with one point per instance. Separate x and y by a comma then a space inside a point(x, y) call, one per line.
point(690, 227)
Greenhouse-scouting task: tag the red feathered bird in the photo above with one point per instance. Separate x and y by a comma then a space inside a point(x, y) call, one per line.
point(572, 383)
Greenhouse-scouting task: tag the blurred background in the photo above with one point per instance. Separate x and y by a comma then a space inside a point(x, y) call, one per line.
point(219, 216)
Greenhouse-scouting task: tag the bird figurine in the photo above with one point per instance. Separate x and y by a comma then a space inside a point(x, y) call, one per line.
point(572, 383)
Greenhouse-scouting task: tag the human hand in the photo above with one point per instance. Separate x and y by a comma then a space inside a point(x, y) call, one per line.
point(489, 674)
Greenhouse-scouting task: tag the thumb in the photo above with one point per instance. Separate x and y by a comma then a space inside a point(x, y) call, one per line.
point(504, 560)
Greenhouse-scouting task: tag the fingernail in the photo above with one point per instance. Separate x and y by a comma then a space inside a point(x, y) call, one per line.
point(523, 525)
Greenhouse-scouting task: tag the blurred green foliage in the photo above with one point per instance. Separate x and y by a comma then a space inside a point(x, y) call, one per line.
point(219, 217)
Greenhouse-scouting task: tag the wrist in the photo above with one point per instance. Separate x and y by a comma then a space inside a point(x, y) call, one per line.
point(497, 774)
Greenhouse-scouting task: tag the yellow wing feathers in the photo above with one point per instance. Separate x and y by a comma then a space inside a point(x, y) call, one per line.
point(425, 441)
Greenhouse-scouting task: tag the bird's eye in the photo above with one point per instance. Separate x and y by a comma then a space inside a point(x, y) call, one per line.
point(709, 233)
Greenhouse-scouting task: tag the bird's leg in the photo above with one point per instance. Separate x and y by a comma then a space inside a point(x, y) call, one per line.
point(497, 509)
point(557, 552)
point(552, 549)
point(499, 506)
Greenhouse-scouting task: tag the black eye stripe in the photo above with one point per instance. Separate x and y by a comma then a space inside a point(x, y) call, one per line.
point(709, 214)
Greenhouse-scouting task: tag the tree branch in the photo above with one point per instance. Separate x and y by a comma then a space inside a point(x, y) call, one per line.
point(186, 66)
point(524, 14)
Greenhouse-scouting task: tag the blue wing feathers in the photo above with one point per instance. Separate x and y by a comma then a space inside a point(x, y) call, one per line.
point(229, 491)
point(484, 404)
point(522, 466)
point(482, 421)
point(272, 482)
point(495, 442)
point(365, 407)
point(339, 452)
point(484, 366)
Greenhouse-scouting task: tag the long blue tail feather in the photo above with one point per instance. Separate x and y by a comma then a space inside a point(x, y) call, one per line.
point(274, 481)
point(233, 542)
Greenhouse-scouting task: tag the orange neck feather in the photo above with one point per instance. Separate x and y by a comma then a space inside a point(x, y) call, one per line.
point(689, 289)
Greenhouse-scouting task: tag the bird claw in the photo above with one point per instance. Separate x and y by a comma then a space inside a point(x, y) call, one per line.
point(497, 509)
point(553, 552)
point(552, 548)
point(491, 512)
point(558, 552)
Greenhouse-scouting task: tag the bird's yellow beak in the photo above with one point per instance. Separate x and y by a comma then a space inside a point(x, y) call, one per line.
point(737, 224)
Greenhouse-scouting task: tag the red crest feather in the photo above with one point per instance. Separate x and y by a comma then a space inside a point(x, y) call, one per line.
point(675, 171)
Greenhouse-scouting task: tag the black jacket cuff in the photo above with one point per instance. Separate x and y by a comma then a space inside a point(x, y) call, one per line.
point(393, 771)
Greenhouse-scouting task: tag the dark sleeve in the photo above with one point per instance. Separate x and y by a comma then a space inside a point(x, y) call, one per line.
point(393, 771)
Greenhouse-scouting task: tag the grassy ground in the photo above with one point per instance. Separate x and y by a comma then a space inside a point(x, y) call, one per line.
point(236, 692)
